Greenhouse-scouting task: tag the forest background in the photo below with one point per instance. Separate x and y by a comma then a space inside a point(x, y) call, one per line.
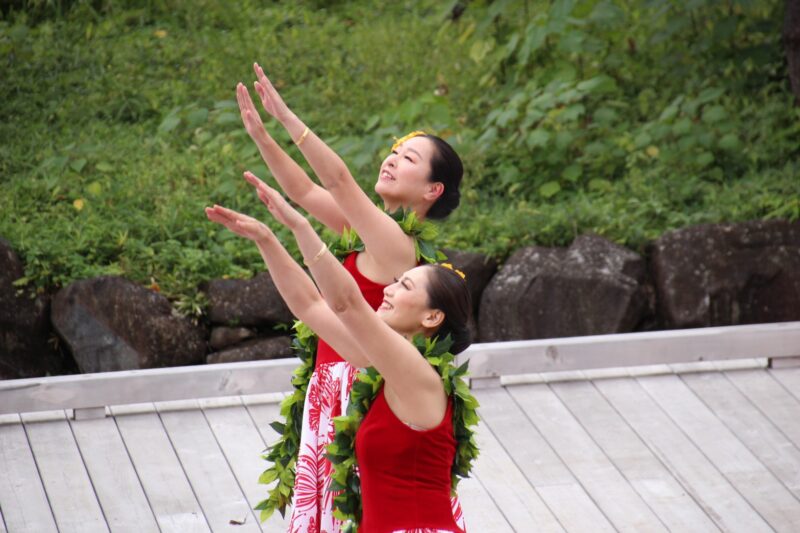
point(118, 121)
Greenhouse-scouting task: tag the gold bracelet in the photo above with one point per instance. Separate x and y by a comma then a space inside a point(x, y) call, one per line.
point(316, 257)
point(302, 138)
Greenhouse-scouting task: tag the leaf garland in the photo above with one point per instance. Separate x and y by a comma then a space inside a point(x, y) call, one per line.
point(341, 452)
point(424, 234)
point(283, 454)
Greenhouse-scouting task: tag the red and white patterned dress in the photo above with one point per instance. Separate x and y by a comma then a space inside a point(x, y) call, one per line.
point(327, 397)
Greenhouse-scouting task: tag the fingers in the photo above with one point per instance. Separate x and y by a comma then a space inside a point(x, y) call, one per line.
point(262, 189)
point(260, 186)
point(262, 93)
point(243, 97)
point(246, 109)
point(273, 195)
point(218, 216)
point(240, 224)
point(253, 180)
point(240, 98)
point(214, 212)
point(261, 76)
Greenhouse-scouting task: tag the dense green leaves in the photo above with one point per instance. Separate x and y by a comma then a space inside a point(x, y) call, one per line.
point(625, 119)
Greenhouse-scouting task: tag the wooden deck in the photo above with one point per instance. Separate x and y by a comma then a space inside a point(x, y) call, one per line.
point(710, 446)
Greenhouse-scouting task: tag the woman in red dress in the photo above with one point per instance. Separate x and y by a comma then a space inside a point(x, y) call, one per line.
point(405, 445)
point(422, 173)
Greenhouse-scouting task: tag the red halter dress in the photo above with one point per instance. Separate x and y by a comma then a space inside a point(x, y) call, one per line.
point(327, 397)
point(405, 472)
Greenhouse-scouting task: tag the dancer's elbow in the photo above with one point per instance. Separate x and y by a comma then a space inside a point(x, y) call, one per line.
point(338, 177)
point(303, 307)
point(343, 302)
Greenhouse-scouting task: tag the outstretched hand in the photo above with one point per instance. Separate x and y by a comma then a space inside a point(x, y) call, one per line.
point(276, 204)
point(241, 224)
point(250, 117)
point(270, 99)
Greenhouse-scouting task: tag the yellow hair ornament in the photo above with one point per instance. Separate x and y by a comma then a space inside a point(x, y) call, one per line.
point(448, 266)
point(401, 140)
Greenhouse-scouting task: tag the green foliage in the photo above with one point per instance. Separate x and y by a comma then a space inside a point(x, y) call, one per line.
point(119, 124)
point(282, 455)
point(625, 119)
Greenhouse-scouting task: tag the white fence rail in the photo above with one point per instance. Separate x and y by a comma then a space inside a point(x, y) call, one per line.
point(487, 361)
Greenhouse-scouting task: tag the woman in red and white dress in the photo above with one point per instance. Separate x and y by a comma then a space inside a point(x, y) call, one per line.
point(405, 445)
point(422, 173)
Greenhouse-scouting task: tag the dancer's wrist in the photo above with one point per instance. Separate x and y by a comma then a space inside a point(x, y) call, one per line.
point(293, 125)
point(311, 261)
point(265, 239)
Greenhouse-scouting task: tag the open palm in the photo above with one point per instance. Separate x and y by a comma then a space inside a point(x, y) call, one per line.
point(239, 223)
point(270, 99)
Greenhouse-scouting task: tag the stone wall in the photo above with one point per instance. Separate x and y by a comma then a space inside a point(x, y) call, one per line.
point(707, 275)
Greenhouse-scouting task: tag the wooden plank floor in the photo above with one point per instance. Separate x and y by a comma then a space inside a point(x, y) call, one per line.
point(676, 451)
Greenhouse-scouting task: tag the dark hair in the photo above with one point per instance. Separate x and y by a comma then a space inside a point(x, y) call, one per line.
point(446, 168)
point(447, 291)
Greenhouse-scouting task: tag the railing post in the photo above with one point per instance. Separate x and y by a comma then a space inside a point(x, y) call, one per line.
point(784, 362)
point(88, 413)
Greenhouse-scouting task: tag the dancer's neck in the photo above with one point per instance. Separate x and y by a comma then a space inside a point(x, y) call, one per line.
point(391, 207)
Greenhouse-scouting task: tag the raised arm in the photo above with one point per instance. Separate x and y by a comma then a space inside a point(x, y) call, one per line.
point(409, 376)
point(294, 285)
point(290, 176)
point(390, 248)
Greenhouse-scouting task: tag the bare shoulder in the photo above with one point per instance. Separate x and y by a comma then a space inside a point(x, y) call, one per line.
point(422, 405)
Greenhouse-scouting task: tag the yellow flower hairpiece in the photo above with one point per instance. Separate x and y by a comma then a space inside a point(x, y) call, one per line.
point(448, 266)
point(401, 140)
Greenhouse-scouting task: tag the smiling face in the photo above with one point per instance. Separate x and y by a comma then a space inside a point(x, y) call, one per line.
point(405, 307)
point(404, 178)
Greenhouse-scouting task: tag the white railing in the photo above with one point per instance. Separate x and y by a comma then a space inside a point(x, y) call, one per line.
point(488, 362)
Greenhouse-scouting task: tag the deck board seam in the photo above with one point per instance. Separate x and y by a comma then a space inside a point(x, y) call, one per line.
point(764, 413)
point(663, 460)
point(183, 467)
point(519, 467)
point(136, 471)
point(743, 443)
point(88, 472)
point(39, 473)
point(564, 463)
point(713, 463)
point(771, 373)
point(494, 502)
point(255, 424)
point(609, 459)
point(230, 466)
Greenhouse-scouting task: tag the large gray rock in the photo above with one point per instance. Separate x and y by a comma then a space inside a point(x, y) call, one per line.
point(24, 326)
point(718, 275)
point(110, 323)
point(592, 287)
point(224, 337)
point(254, 350)
point(252, 302)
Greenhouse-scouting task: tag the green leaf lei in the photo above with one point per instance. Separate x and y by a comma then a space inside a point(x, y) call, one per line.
point(341, 452)
point(283, 454)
